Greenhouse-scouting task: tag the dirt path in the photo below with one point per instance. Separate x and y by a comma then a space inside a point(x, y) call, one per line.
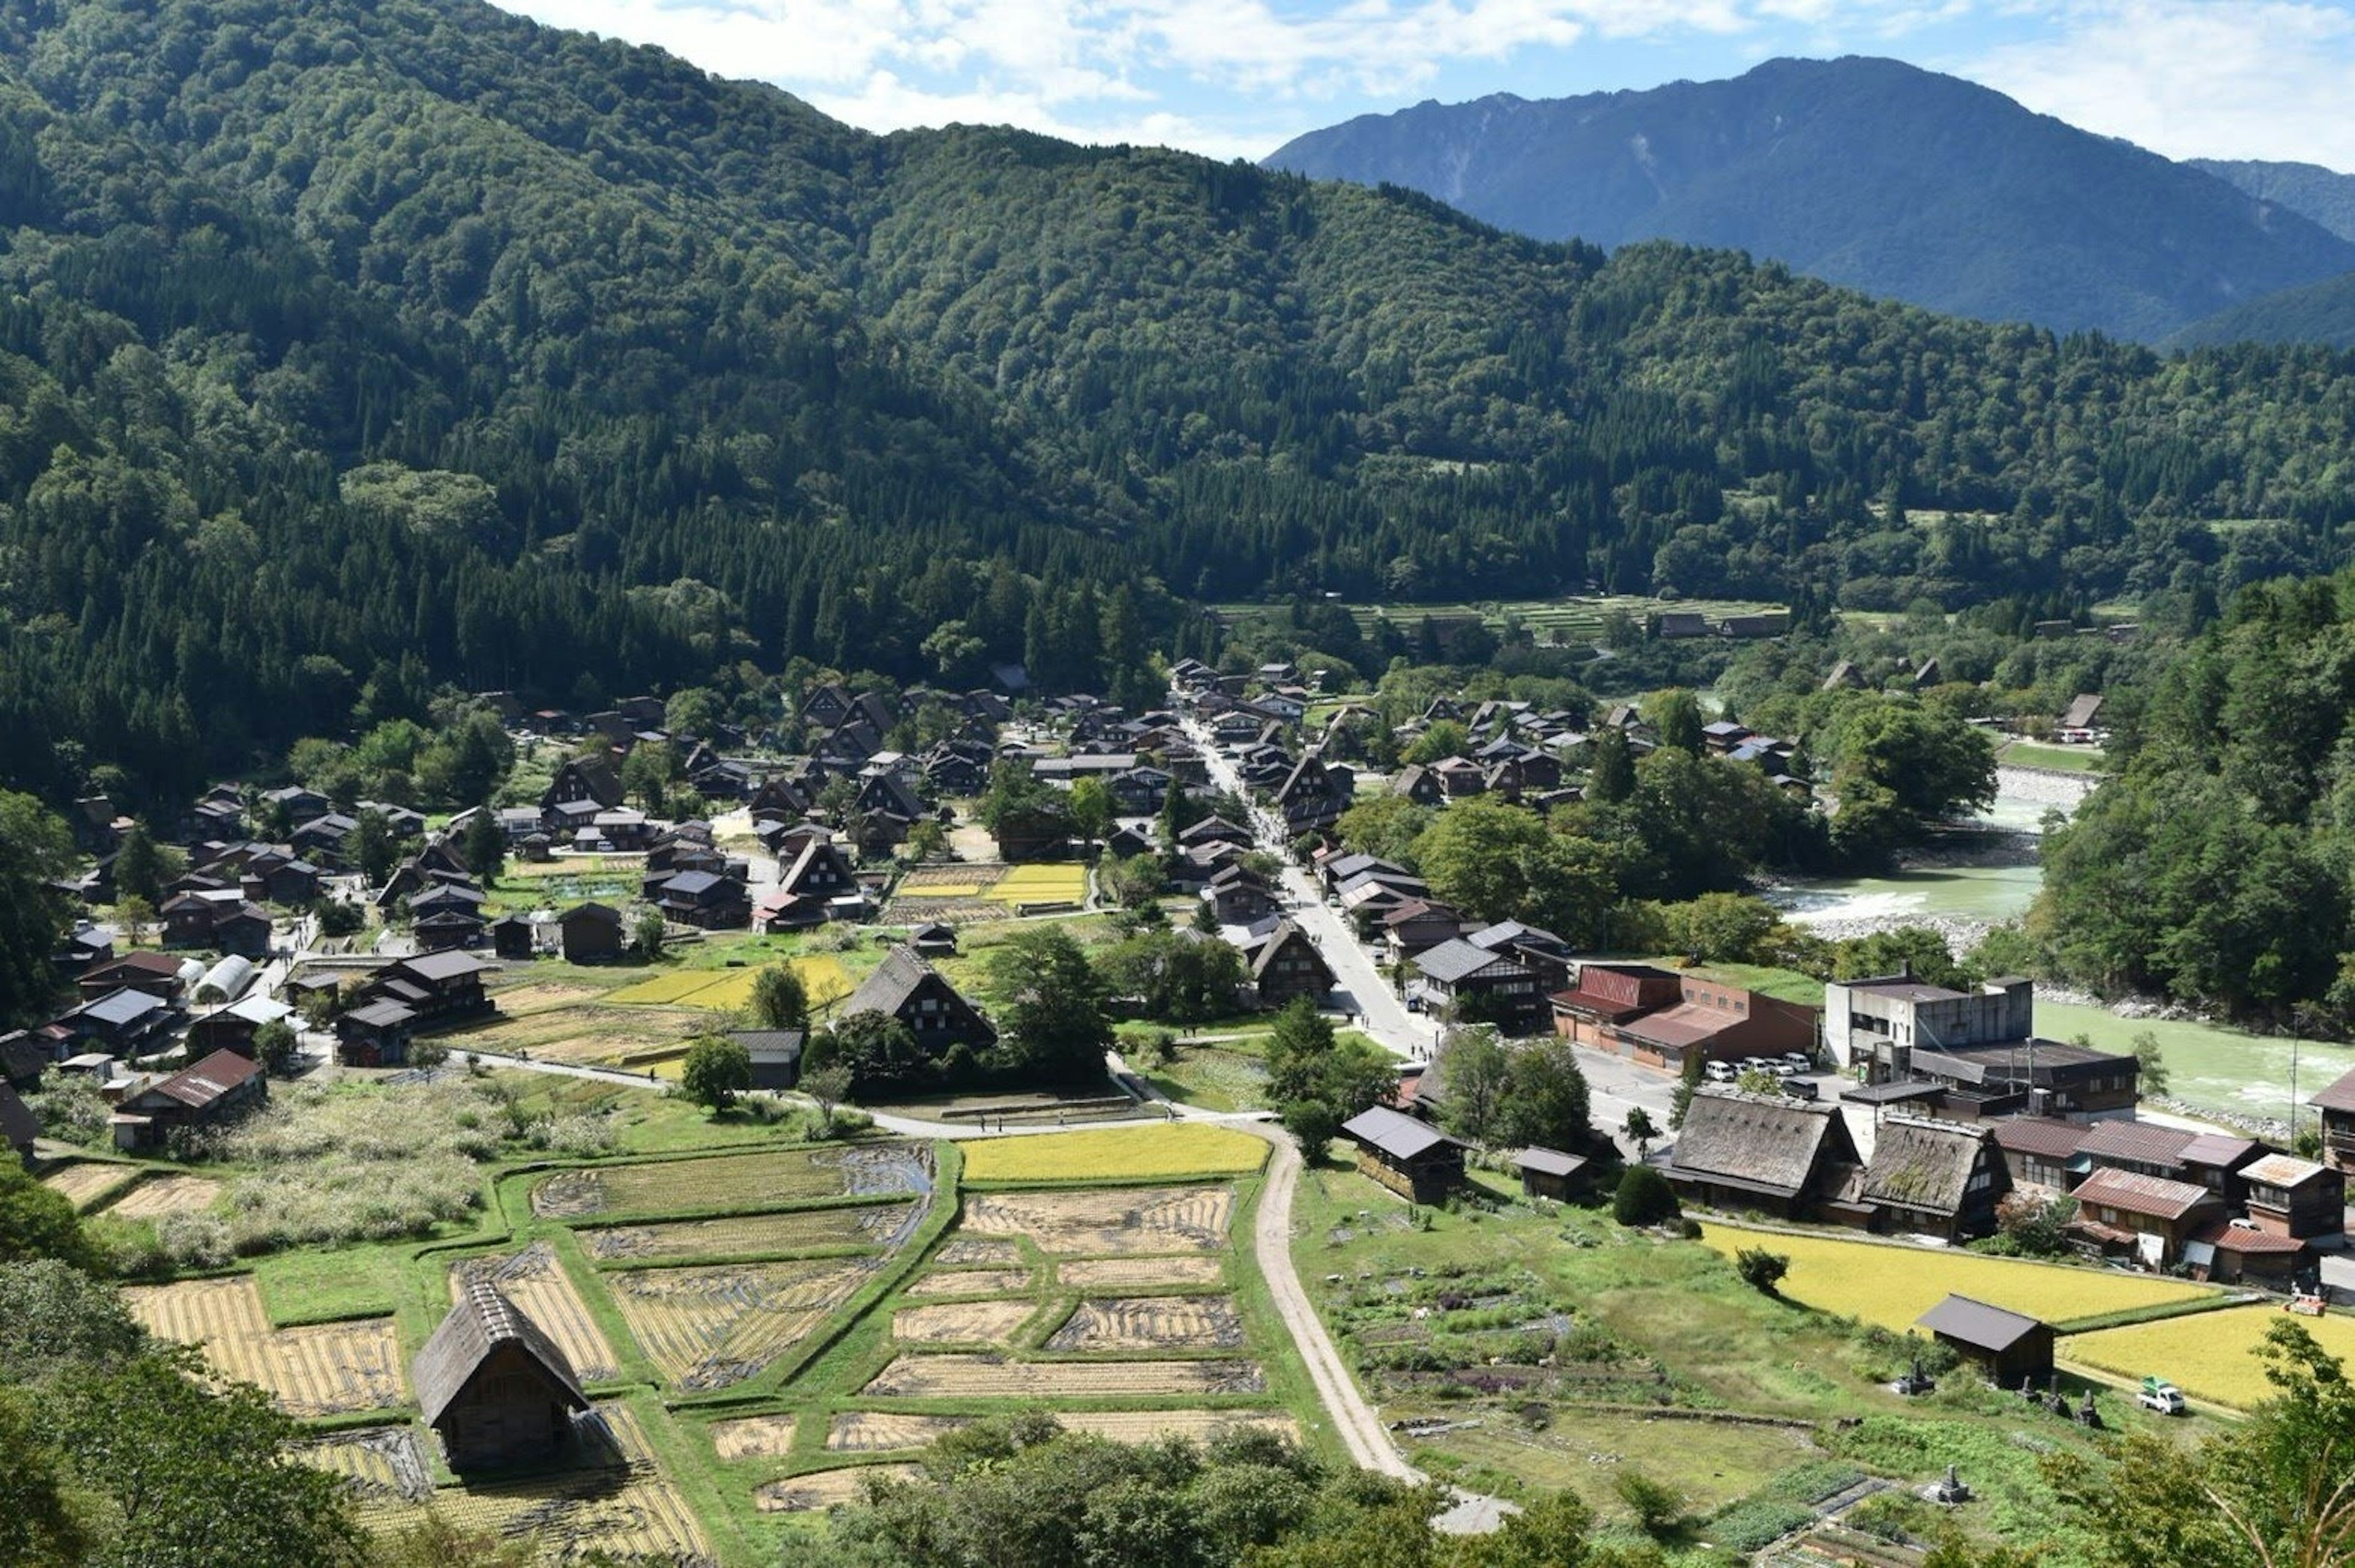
point(1362, 1432)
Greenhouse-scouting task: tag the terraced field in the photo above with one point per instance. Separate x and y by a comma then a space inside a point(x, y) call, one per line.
point(537, 1284)
point(1140, 1274)
point(733, 1181)
point(754, 1235)
point(821, 1489)
point(156, 1196)
point(886, 1432)
point(956, 1376)
point(87, 1182)
point(1115, 1221)
point(326, 1368)
point(1152, 1323)
point(974, 1281)
point(753, 1437)
point(961, 1322)
point(708, 1328)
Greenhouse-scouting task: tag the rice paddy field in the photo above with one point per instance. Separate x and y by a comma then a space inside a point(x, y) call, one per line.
point(1042, 884)
point(732, 1182)
point(537, 1284)
point(1110, 1222)
point(729, 990)
point(1893, 1286)
point(2213, 1356)
point(863, 1228)
point(85, 1183)
point(585, 1035)
point(328, 1369)
point(708, 1328)
point(994, 1377)
point(822, 1489)
point(1139, 1154)
point(158, 1195)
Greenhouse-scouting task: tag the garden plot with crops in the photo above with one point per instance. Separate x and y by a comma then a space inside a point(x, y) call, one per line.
point(1893, 1286)
point(710, 1327)
point(327, 1369)
point(1116, 1222)
point(857, 1227)
point(536, 1282)
point(618, 1503)
point(734, 1181)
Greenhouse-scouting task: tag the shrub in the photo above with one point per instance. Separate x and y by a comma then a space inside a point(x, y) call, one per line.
point(1658, 1508)
point(1644, 1198)
point(1756, 1523)
point(1761, 1270)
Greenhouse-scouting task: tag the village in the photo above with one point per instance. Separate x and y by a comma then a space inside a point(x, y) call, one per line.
point(891, 1271)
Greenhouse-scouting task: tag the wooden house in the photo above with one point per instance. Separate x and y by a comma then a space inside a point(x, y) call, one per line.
point(1462, 979)
point(207, 1092)
point(2009, 1348)
point(2337, 1105)
point(18, 1126)
point(777, 1055)
point(2291, 1196)
point(2148, 1216)
point(1784, 1157)
point(709, 901)
point(1285, 964)
point(1550, 1173)
point(2041, 1152)
point(590, 934)
point(911, 990)
point(1937, 1179)
point(511, 937)
point(1412, 1157)
point(375, 1034)
point(493, 1383)
point(125, 1022)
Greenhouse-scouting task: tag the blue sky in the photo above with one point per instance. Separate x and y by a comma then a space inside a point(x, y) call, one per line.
point(2269, 78)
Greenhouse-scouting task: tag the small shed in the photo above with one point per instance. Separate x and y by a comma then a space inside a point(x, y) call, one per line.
point(1550, 1173)
point(590, 933)
point(511, 937)
point(776, 1056)
point(933, 940)
point(1413, 1158)
point(492, 1382)
point(2009, 1347)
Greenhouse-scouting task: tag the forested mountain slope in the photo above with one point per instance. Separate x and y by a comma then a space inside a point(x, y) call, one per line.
point(346, 349)
point(2324, 195)
point(1870, 173)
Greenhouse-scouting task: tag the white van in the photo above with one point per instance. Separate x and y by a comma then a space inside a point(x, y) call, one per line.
point(1720, 1072)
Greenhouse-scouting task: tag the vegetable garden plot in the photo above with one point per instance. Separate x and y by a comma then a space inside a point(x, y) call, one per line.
point(381, 1465)
point(821, 1490)
point(994, 1377)
point(85, 1182)
point(1116, 1220)
point(753, 1437)
point(974, 1281)
point(1137, 1273)
point(628, 1510)
point(157, 1196)
point(708, 1327)
point(326, 1368)
point(536, 1282)
point(1154, 1426)
point(885, 1431)
point(751, 1235)
point(961, 1322)
point(734, 1181)
point(1152, 1323)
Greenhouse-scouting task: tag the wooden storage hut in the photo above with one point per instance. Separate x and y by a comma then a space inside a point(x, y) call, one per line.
point(1413, 1158)
point(2009, 1347)
point(493, 1383)
point(1550, 1173)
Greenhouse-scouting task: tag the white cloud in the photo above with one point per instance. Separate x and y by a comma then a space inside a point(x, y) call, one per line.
point(2223, 79)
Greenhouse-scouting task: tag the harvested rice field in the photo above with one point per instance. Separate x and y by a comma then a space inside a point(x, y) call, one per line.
point(735, 1182)
point(541, 997)
point(1117, 1221)
point(754, 1235)
point(974, 1281)
point(156, 1196)
point(1152, 1323)
point(626, 1509)
point(586, 1034)
point(1893, 1286)
point(886, 1432)
point(708, 1328)
point(753, 1437)
point(1172, 1151)
point(993, 1377)
point(961, 1322)
point(326, 1368)
point(951, 881)
point(2210, 1355)
point(1140, 1274)
point(726, 990)
point(968, 1253)
point(381, 1463)
point(86, 1182)
point(537, 1284)
point(821, 1489)
point(1154, 1426)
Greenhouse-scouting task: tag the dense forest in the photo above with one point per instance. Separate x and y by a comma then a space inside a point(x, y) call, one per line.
point(350, 351)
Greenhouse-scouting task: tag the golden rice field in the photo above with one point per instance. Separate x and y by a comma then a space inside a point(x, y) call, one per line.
point(2210, 1355)
point(537, 1284)
point(86, 1182)
point(753, 1437)
point(752, 1235)
point(327, 1369)
point(627, 1510)
point(708, 1328)
point(160, 1195)
point(1893, 1286)
point(961, 1322)
point(994, 1377)
point(726, 990)
point(1158, 1152)
point(1113, 1221)
point(730, 1181)
point(1042, 884)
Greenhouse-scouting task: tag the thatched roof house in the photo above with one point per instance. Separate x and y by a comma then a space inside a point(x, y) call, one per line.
point(493, 1383)
point(1936, 1177)
point(1781, 1156)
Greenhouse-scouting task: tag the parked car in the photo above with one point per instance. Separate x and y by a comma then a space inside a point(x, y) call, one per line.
point(1802, 1089)
point(1799, 1060)
point(1720, 1072)
point(2159, 1394)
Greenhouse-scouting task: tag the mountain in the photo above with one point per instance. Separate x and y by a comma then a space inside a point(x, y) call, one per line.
point(1868, 173)
point(2323, 194)
point(2321, 312)
point(354, 351)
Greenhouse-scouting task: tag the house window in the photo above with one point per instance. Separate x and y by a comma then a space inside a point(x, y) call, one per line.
point(2109, 1216)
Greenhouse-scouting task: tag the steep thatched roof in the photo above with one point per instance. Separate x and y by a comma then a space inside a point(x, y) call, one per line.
point(1923, 1165)
point(1763, 1143)
point(481, 1322)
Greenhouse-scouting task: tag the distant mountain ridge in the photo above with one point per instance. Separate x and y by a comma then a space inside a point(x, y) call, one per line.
point(2324, 195)
point(1868, 173)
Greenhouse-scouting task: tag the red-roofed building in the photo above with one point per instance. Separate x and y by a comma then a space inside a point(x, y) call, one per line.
point(211, 1090)
point(1704, 1016)
point(2148, 1215)
point(2233, 1252)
